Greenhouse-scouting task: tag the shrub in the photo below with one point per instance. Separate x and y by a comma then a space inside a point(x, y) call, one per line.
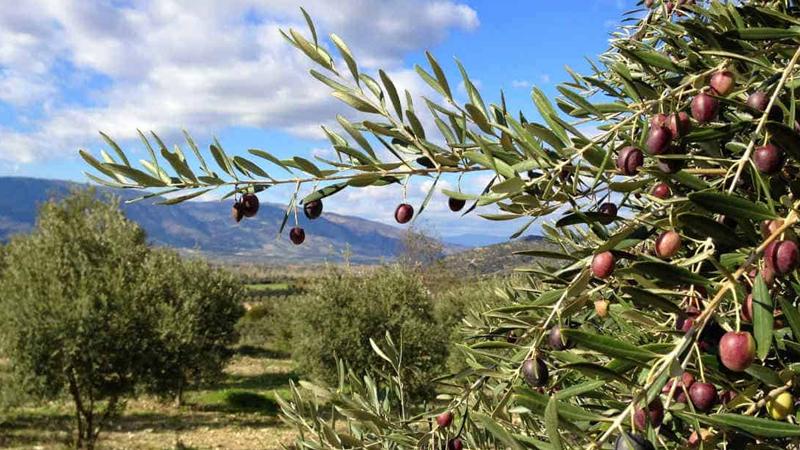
point(343, 312)
point(197, 309)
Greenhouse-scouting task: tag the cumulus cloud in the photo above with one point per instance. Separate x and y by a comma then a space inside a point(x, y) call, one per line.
point(71, 67)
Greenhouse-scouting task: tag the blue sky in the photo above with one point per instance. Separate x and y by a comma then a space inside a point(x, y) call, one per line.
point(70, 68)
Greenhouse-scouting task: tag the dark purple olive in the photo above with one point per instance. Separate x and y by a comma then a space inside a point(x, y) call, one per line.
point(629, 160)
point(313, 209)
point(703, 396)
point(658, 140)
point(722, 83)
point(557, 340)
point(535, 372)
point(609, 209)
point(603, 264)
point(511, 337)
point(403, 213)
point(670, 165)
point(425, 162)
point(758, 100)
point(456, 204)
point(444, 419)
point(781, 257)
point(679, 124)
point(297, 235)
point(658, 121)
point(726, 396)
point(768, 159)
point(747, 309)
point(236, 212)
point(737, 350)
point(249, 205)
point(685, 320)
point(455, 444)
point(704, 108)
point(654, 415)
point(661, 190)
point(668, 244)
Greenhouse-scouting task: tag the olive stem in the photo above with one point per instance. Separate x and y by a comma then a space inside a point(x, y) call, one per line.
point(771, 394)
point(700, 367)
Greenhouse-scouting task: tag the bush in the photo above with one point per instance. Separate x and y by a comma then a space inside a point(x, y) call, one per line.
point(343, 312)
point(270, 322)
point(194, 322)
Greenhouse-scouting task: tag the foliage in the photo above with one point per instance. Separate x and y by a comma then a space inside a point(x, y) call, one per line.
point(72, 307)
point(721, 182)
point(271, 320)
point(342, 312)
point(461, 304)
point(195, 314)
point(91, 311)
point(498, 259)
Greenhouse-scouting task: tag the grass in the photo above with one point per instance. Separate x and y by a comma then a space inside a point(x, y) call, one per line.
point(238, 413)
point(266, 287)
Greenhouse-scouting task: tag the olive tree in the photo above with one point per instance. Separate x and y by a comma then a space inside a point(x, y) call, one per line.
point(90, 311)
point(667, 177)
point(73, 308)
point(343, 312)
point(196, 310)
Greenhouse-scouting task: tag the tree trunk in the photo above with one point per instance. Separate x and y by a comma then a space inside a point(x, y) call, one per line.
point(179, 394)
point(89, 416)
point(76, 398)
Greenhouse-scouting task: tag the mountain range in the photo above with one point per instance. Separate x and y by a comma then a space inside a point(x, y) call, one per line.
point(206, 227)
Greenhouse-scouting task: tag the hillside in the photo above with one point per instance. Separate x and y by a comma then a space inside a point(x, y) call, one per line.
point(206, 227)
point(497, 258)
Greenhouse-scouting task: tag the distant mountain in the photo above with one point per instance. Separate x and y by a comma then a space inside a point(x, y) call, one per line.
point(207, 228)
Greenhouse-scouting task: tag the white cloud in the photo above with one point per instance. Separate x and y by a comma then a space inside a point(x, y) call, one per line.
point(521, 84)
point(199, 64)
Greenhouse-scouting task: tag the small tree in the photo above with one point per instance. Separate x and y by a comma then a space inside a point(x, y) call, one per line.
point(195, 317)
point(343, 312)
point(71, 302)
